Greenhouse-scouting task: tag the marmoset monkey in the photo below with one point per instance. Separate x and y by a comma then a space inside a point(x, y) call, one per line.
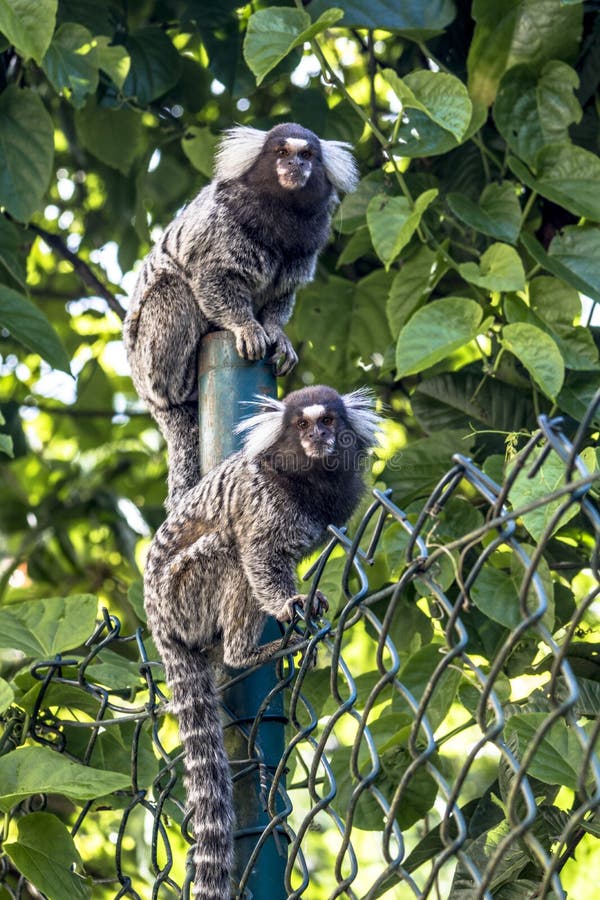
point(225, 559)
point(231, 260)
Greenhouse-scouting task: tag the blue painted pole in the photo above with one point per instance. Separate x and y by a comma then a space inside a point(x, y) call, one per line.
point(225, 380)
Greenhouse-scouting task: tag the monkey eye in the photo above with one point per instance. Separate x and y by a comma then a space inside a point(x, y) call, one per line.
point(282, 152)
point(302, 424)
point(327, 420)
point(305, 154)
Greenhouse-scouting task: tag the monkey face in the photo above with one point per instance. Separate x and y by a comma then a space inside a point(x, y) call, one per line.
point(316, 428)
point(294, 163)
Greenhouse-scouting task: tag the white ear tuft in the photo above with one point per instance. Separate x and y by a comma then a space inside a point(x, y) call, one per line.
point(340, 165)
point(264, 428)
point(238, 150)
point(360, 409)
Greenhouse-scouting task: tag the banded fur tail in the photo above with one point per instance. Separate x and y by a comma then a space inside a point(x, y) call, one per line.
point(179, 425)
point(207, 779)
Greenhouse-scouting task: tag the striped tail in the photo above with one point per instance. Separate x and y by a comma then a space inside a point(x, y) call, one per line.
point(208, 779)
point(179, 426)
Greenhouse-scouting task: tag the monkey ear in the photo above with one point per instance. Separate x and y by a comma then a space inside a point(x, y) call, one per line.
point(340, 165)
point(360, 409)
point(238, 150)
point(263, 429)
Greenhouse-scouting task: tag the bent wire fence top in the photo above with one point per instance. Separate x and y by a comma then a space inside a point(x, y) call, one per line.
point(417, 762)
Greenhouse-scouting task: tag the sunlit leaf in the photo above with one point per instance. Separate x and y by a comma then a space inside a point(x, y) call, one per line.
point(28, 325)
point(499, 269)
point(274, 32)
point(44, 852)
point(114, 136)
point(412, 286)
point(42, 628)
point(199, 144)
point(392, 222)
point(575, 265)
point(538, 353)
point(28, 24)
point(435, 331)
point(442, 97)
point(155, 64)
point(559, 757)
point(39, 770)
point(69, 63)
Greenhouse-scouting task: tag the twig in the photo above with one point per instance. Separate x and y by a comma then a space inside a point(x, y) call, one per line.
point(81, 268)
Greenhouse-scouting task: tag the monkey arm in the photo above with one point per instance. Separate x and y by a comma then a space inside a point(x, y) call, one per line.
point(274, 315)
point(225, 299)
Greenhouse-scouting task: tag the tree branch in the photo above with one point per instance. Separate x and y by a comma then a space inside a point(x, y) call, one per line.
point(81, 268)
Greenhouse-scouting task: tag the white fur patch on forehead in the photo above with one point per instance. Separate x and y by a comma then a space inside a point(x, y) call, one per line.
point(239, 149)
point(296, 144)
point(340, 165)
point(314, 411)
point(263, 429)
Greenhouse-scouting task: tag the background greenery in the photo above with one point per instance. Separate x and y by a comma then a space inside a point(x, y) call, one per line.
point(452, 283)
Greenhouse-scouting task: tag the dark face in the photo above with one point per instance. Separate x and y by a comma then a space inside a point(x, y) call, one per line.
point(315, 420)
point(292, 155)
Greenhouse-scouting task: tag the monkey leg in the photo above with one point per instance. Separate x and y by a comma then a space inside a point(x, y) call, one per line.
point(163, 336)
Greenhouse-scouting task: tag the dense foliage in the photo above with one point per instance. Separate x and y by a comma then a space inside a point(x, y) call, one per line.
point(452, 283)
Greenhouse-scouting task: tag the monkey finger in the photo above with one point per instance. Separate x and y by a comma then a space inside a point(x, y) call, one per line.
point(320, 604)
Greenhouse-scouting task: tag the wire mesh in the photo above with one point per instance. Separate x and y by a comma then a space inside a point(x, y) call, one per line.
point(387, 785)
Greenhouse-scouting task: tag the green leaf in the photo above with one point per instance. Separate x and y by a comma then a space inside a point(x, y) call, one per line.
point(416, 469)
point(112, 59)
point(567, 175)
point(559, 758)
point(345, 334)
point(28, 24)
point(113, 136)
point(549, 477)
point(442, 97)
point(508, 33)
point(155, 64)
point(412, 286)
point(43, 628)
point(6, 695)
point(496, 592)
point(352, 213)
point(274, 32)
point(531, 111)
point(411, 17)
point(26, 151)
point(435, 331)
point(419, 136)
point(459, 400)
point(538, 353)
point(39, 770)
point(497, 214)
point(69, 63)
point(392, 222)
point(199, 144)
point(500, 269)
point(416, 674)
point(44, 853)
point(13, 244)
point(6, 445)
point(578, 250)
point(28, 325)
point(575, 266)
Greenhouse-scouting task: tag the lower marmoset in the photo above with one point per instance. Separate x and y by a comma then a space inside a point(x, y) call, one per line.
point(226, 558)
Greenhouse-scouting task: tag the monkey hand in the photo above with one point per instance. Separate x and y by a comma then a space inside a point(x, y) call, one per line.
point(317, 606)
point(251, 341)
point(283, 357)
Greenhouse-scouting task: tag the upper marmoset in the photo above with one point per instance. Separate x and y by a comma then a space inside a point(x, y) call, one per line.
point(225, 558)
point(231, 260)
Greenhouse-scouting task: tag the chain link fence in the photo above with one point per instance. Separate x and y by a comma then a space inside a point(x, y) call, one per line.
point(441, 728)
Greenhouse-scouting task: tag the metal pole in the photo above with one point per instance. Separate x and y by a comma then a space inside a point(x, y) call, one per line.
point(224, 381)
